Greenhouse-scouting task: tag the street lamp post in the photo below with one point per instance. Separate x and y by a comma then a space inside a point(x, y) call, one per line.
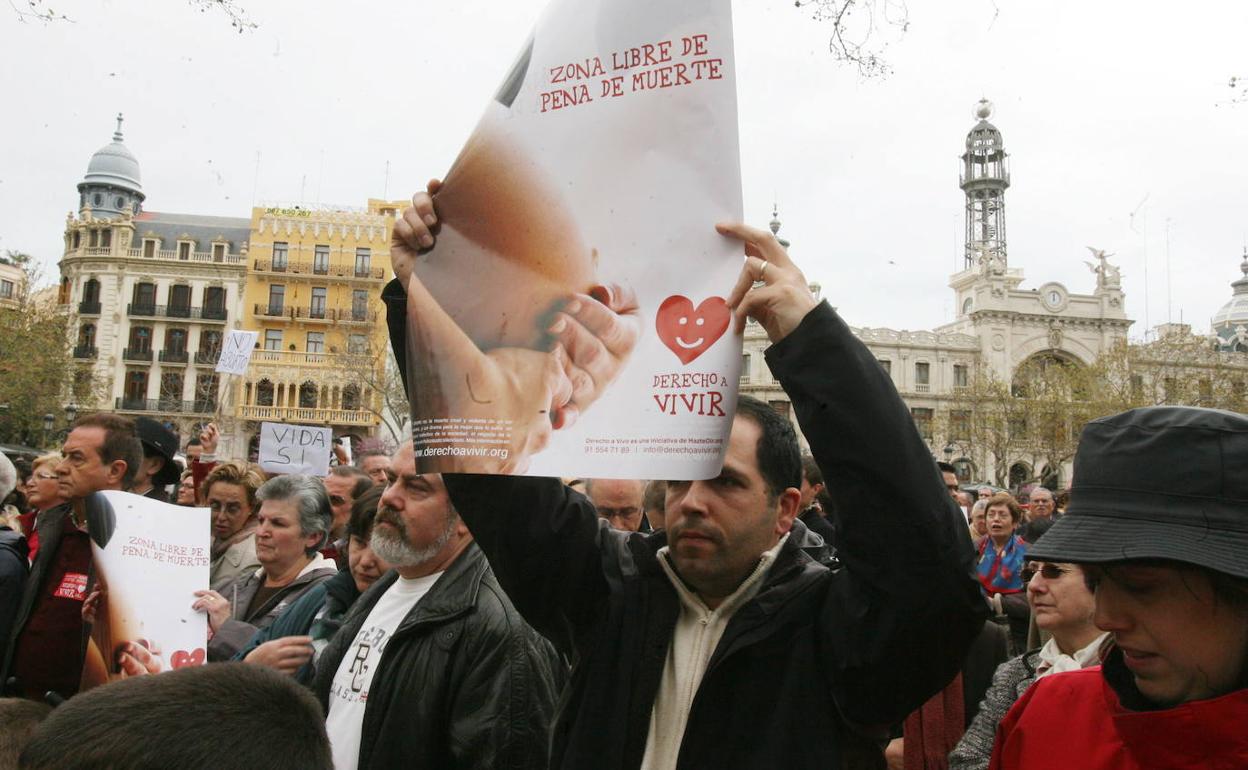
point(48, 420)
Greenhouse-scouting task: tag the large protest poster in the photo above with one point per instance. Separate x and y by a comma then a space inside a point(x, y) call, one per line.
point(579, 217)
point(149, 558)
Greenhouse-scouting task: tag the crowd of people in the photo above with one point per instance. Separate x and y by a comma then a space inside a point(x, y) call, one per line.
point(854, 607)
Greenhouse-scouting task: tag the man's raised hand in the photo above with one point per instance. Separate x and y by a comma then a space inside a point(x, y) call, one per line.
point(413, 232)
point(781, 298)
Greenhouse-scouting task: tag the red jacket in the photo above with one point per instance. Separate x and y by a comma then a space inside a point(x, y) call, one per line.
point(1077, 720)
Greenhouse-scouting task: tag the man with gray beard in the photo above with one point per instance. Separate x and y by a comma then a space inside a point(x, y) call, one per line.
point(433, 667)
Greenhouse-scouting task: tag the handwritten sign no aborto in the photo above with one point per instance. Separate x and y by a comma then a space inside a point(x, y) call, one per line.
point(236, 352)
point(295, 448)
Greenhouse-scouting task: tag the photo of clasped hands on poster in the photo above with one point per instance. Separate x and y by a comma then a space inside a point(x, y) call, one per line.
point(570, 319)
point(148, 559)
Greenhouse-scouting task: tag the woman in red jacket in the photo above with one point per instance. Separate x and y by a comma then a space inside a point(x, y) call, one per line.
point(1159, 521)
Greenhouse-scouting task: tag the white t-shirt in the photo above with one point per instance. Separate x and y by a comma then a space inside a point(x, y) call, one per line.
point(348, 695)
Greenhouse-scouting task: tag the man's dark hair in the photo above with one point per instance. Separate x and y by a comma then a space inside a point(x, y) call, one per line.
point(779, 461)
point(18, 720)
point(361, 455)
point(946, 468)
point(183, 719)
point(362, 482)
point(120, 441)
point(194, 442)
point(655, 496)
point(363, 510)
point(810, 470)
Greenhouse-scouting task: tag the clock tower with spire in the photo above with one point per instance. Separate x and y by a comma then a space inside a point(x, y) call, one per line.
point(984, 178)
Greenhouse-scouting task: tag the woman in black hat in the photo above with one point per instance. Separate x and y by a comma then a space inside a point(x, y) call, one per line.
point(1159, 520)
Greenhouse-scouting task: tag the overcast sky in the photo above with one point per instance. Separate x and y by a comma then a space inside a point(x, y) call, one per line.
point(1106, 108)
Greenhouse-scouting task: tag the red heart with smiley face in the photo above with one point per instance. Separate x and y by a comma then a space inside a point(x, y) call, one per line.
point(182, 658)
point(688, 332)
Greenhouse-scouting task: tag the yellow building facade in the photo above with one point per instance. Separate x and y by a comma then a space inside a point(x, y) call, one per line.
point(313, 295)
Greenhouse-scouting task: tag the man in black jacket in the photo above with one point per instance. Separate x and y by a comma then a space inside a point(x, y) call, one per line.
point(719, 642)
point(46, 640)
point(433, 667)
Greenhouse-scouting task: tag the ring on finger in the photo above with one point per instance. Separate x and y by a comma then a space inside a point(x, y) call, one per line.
point(762, 272)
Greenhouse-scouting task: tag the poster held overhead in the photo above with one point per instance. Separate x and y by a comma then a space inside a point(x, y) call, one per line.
point(571, 319)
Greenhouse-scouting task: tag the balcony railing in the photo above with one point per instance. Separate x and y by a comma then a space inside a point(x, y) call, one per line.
point(310, 268)
point(922, 387)
point(292, 358)
point(166, 405)
point(271, 311)
point(88, 308)
point(312, 314)
point(86, 351)
point(174, 356)
point(176, 311)
point(306, 415)
point(207, 358)
point(344, 315)
point(355, 315)
point(168, 255)
point(136, 355)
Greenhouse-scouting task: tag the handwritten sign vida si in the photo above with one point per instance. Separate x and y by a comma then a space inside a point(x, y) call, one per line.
point(295, 448)
point(236, 352)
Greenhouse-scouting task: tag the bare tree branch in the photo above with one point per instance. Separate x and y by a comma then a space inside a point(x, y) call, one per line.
point(858, 29)
point(39, 10)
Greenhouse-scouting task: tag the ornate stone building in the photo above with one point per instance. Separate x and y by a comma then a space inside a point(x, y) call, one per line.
point(150, 295)
point(12, 285)
point(314, 297)
point(1230, 323)
point(1001, 326)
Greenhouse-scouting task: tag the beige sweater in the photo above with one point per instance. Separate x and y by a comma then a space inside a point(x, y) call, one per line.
point(698, 631)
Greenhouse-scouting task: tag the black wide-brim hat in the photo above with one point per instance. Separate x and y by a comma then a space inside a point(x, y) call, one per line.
point(159, 440)
point(1161, 482)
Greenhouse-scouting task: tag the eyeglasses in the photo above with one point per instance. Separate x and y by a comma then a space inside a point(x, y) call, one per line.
point(1043, 569)
point(44, 476)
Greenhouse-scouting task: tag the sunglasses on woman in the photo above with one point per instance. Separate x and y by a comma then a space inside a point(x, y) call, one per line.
point(1046, 570)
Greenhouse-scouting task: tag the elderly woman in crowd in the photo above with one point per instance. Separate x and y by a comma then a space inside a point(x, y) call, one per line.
point(1159, 522)
point(979, 521)
point(186, 490)
point(1062, 605)
point(309, 623)
point(293, 523)
point(1000, 568)
point(230, 494)
point(43, 493)
point(1002, 553)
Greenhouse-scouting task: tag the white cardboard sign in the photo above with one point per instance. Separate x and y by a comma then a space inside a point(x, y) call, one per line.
point(295, 448)
point(236, 351)
point(149, 557)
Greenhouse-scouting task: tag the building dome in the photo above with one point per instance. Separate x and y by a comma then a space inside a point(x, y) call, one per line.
point(114, 165)
point(1233, 316)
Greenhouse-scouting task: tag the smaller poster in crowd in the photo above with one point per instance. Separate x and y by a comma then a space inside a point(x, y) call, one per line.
point(295, 448)
point(149, 559)
point(236, 351)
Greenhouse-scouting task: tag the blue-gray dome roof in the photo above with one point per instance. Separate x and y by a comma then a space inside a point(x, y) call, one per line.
point(114, 164)
point(1235, 312)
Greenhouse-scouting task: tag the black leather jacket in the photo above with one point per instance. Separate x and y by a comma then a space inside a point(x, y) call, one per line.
point(463, 682)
